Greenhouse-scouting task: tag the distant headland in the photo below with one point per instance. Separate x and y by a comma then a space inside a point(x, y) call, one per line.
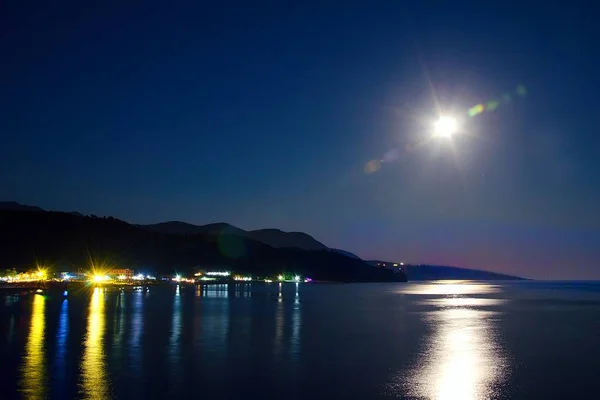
point(31, 234)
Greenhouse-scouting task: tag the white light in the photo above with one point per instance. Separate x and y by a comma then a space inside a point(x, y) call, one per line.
point(138, 277)
point(297, 278)
point(446, 126)
point(218, 273)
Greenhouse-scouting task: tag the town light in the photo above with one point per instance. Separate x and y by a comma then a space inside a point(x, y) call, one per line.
point(280, 277)
point(218, 273)
point(297, 278)
point(100, 278)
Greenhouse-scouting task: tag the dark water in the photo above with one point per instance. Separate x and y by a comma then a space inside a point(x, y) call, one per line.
point(453, 340)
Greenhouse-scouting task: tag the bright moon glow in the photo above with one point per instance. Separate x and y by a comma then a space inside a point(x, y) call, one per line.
point(446, 126)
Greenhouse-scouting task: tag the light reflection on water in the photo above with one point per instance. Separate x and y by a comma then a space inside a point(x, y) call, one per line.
point(415, 340)
point(93, 365)
point(461, 359)
point(176, 321)
point(216, 290)
point(61, 339)
point(296, 321)
point(216, 321)
point(449, 288)
point(175, 348)
point(136, 322)
point(119, 324)
point(34, 361)
point(279, 324)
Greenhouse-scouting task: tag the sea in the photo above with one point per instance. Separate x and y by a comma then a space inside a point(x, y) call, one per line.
point(417, 340)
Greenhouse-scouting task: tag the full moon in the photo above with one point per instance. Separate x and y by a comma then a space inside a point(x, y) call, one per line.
point(446, 126)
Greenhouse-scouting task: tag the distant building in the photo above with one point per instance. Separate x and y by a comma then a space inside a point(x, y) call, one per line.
point(126, 272)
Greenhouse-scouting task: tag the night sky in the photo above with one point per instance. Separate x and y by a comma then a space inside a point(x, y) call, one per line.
point(265, 115)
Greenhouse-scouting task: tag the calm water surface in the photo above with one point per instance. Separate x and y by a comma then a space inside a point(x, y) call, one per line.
point(439, 340)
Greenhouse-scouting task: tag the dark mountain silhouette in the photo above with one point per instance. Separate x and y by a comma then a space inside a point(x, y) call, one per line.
point(346, 253)
point(273, 237)
point(438, 272)
point(222, 228)
point(433, 272)
point(183, 228)
point(69, 241)
point(14, 206)
point(280, 239)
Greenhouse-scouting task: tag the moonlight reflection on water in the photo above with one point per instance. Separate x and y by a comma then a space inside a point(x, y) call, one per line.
point(461, 359)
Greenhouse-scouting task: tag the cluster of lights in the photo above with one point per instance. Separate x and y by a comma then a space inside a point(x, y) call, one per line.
point(242, 278)
point(180, 279)
point(39, 275)
point(296, 278)
point(217, 273)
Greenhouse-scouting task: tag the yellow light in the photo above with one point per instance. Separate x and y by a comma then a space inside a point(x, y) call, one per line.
point(101, 278)
point(446, 126)
point(93, 363)
point(280, 277)
point(33, 370)
point(121, 277)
